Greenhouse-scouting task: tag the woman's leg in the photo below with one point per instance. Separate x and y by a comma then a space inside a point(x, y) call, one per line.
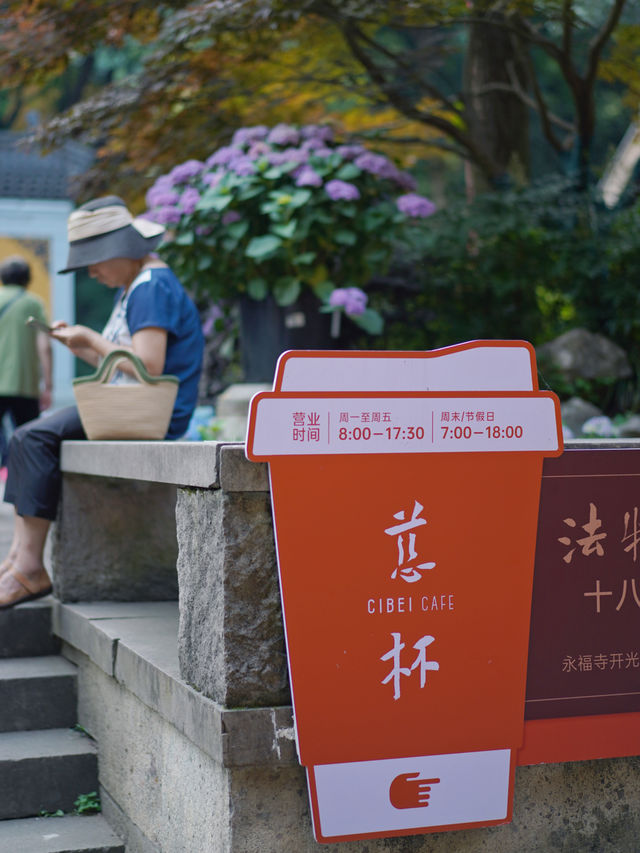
point(26, 577)
point(33, 487)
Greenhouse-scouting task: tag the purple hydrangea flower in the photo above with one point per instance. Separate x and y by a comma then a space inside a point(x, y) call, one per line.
point(223, 156)
point(182, 173)
point(376, 164)
point(307, 177)
point(415, 205)
point(283, 134)
point(189, 200)
point(321, 132)
point(230, 216)
point(352, 299)
point(247, 135)
point(350, 152)
point(342, 191)
point(295, 155)
point(165, 181)
point(212, 179)
point(158, 196)
point(166, 215)
point(322, 152)
point(243, 167)
point(278, 158)
point(313, 144)
point(214, 313)
point(257, 150)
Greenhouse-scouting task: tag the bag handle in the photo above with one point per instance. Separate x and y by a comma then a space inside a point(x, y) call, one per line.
point(107, 368)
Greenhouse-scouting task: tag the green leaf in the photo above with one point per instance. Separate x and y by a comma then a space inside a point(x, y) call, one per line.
point(345, 238)
point(276, 172)
point(377, 217)
point(376, 256)
point(286, 290)
point(250, 191)
point(185, 238)
point(205, 260)
point(348, 209)
point(348, 172)
point(305, 258)
point(324, 289)
point(237, 230)
point(257, 288)
point(323, 216)
point(287, 230)
point(300, 197)
point(213, 201)
point(260, 248)
point(369, 320)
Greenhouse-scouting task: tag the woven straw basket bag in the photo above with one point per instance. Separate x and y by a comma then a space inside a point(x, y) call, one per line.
point(140, 410)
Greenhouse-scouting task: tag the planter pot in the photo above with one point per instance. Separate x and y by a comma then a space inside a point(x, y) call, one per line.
point(267, 330)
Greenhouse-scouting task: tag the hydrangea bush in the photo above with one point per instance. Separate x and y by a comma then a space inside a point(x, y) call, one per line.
point(282, 209)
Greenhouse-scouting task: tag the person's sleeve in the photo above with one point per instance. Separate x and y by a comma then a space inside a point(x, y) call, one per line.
point(39, 311)
point(153, 304)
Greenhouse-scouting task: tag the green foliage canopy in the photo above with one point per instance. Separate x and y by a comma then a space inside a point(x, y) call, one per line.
point(210, 66)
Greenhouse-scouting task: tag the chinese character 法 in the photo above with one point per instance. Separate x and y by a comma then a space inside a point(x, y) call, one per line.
point(590, 544)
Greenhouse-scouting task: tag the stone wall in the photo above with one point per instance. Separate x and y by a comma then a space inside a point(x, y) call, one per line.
point(189, 701)
point(180, 774)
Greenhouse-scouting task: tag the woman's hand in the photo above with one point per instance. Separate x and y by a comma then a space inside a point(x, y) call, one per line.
point(74, 337)
point(81, 340)
point(150, 344)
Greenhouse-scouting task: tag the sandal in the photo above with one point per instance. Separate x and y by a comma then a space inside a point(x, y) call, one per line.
point(30, 593)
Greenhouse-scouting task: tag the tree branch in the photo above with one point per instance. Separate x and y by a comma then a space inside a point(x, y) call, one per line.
point(597, 44)
point(407, 107)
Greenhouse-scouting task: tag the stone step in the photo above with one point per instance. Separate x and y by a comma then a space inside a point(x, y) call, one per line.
point(37, 693)
point(25, 630)
point(45, 771)
point(68, 834)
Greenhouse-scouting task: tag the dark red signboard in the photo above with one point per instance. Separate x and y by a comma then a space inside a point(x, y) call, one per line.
point(584, 653)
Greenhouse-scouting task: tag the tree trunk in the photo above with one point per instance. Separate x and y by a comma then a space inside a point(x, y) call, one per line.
point(497, 119)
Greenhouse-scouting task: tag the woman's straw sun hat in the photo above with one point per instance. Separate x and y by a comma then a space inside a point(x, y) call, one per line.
point(103, 229)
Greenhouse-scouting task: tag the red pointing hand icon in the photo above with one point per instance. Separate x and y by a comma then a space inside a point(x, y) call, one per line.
point(408, 791)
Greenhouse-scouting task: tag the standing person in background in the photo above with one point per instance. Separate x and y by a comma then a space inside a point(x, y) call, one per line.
point(25, 354)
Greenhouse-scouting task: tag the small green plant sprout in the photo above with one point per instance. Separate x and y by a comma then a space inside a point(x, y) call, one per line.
point(87, 804)
point(45, 813)
point(210, 431)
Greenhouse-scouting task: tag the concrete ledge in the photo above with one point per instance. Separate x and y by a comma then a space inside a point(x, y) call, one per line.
point(192, 464)
point(179, 463)
point(136, 644)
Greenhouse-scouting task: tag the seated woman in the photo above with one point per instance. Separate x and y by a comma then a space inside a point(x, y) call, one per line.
point(153, 317)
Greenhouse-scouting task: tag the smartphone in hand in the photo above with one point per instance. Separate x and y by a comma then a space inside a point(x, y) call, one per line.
point(42, 327)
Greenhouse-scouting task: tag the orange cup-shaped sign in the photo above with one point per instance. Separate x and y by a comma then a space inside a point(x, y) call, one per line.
point(405, 527)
